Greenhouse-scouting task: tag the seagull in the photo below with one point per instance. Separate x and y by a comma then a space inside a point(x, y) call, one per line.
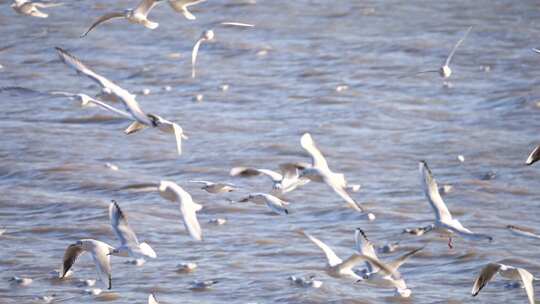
point(320, 172)
point(273, 203)
point(129, 244)
point(534, 156)
point(21, 281)
point(523, 232)
point(508, 272)
point(211, 187)
point(284, 181)
point(101, 253)
point(152, 299)
point(172, 192)
point(134, 112)
point(444, 222)
point(537, 50)
point(208, 35)
point(186, 267)
point(181, 6)
point(138, 15)
point(305, 281)
point(445, 71)
point(203, 285)
point(365, 247)
point(84, 99)
point(31, 8)
point(336, 267)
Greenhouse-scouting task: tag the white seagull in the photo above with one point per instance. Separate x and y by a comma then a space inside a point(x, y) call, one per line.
point(284, 181)
point(181, 6)
point(508, 272)
point(101, 253)
point(206, 36)
point(320, 172)
point(273, 203)
point(138, 15)
point(336, 267)
point(444, 222)
point(305, 281)
point(445, 71)
point(211, 187)
point(134, 111)
point(534, 156)
point(129, 244)
point(365, 247)
point(172, 192)
point(31, 8)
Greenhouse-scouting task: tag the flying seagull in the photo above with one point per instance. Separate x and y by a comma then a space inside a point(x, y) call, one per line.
point(364, 246)
point(134, 111)
point(534, 156)
point(320, 172)
point(211, 187)
point(208, 35)
point(273, 203)
point(181, 6)
point(138, 15)
point(445, 71)
point(101, 253)
point(284, 181)
point(336, 267)
point(508, 272)
point(31, 8)
point(174, 193)
point(129, 244)
point(444, 222)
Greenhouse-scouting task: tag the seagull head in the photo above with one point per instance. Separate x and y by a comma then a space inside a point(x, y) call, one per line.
point(208, 35)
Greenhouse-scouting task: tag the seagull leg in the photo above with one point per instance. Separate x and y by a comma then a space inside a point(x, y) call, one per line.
point(450, 243)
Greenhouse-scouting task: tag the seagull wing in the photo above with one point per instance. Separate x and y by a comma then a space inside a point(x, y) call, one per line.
point(111, 108)
point(194, 53)
point(145, 6)
point(244, 171)
point(102, 259)
point(239, 24)
point(70, 256)
point(431, 190)
point(534, 156)
point(527, 279)
point(102, 19)
point(174, 192)
point(394, 265)
point(178, 135)
point(447, 62)
point(365, 247)
point(317, 159)
point(356, 259)
point(486, 274)
point(121, 227)
point(152, 299)
point(331, 257)
point(345, 195)
point(47, 5)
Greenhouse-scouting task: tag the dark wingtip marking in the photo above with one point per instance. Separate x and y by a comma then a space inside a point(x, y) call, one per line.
point(286, 211)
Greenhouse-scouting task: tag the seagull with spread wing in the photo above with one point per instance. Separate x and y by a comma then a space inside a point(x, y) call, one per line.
point(174, 193)
point(101, 253)
point(445, 71)
point(513, 273)
point(338, 268)
point(284, 181)
point(138, 15)
point(444, 222)
point(320, 172)
point(134, 112)
point(129, 244)
point(364, 246)
point(212, 187)
point(208, 35)
point(275, 204)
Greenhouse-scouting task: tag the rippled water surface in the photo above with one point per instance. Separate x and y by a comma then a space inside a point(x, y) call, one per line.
point(282, 77)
